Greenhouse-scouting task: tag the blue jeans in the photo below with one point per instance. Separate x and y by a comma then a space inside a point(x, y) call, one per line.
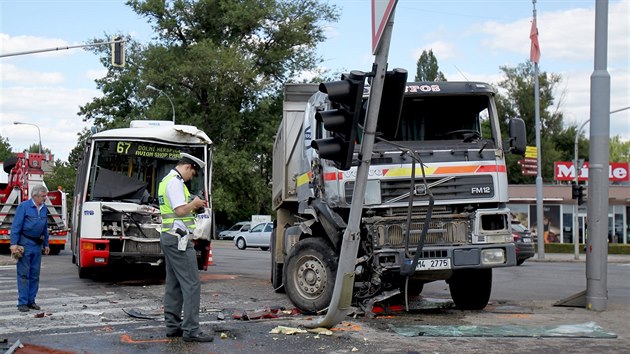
point(28, 267)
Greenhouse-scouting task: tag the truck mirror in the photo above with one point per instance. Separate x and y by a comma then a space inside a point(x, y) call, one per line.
point(518, 140)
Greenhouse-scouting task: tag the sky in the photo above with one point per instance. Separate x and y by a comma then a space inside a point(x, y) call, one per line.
point(471, 40)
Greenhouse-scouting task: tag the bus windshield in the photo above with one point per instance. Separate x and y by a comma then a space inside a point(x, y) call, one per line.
point(130, 171)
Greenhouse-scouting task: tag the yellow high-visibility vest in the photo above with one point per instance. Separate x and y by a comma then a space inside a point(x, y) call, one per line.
point(168, 214)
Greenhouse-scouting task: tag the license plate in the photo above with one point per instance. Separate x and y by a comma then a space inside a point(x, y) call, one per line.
point(527, 239)
point(434, 264)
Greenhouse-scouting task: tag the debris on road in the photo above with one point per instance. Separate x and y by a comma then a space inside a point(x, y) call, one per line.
point(136, 313)
point(15, 345)
point(583, 330)
point(287, 330)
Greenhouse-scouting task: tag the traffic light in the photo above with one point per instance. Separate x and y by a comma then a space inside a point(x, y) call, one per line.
point(118, 52)
point(577, 192)
point(580, 196)
point(574, 190)
point(346, 98)
point(392, 102)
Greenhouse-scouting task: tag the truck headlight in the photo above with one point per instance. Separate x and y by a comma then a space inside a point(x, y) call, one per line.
point(493, 256)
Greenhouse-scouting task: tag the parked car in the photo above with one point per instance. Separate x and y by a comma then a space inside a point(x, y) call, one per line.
point(234, 230)
point(257, 236)
point(523, 242)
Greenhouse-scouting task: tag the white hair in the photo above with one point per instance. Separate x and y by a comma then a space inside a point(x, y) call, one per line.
point(38, 189)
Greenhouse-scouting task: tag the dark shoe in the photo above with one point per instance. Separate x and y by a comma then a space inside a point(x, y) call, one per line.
point(22, 308)
point(199, 337)
point(177, 333)
point(34, 306)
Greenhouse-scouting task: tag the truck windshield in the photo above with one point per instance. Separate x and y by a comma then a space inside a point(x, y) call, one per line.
point(130, 171)
point(435, 118)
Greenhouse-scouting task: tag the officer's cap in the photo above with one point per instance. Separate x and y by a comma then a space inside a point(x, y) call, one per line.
point(196, 163)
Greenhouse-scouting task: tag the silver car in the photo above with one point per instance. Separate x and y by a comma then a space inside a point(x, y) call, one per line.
point(234, 230)
point(257, 236)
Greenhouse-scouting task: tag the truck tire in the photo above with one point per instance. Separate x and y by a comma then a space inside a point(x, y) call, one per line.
point(309, 274)
point(276, 268)
point(54, 250)
point(470, 288)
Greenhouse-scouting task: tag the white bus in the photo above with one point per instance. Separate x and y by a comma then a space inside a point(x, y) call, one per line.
point(116, 216)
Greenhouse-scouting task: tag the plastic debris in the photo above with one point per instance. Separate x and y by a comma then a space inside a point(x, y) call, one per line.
point(137, 314)
point(287, 330)
point(15, 345)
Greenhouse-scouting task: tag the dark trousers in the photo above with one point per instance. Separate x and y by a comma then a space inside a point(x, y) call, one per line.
point(182, 289)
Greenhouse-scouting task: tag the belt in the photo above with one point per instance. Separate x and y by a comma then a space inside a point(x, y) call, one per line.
point(36, 239)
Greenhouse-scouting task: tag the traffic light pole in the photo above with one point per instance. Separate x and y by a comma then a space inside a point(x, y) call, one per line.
point(344, 282)
point(57, 49)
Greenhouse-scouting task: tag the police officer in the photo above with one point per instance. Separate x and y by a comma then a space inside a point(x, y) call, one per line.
point(183, 287)
point(29, 232)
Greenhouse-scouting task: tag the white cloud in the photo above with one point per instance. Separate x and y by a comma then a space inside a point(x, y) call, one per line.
point(441, 49)
point(563, 35)
point(52, 109)
point(20, 44)
point(18, 75)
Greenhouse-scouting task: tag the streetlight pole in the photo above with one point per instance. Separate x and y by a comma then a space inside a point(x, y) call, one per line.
point(576, 236)
point(169, 99)
point(38, 133)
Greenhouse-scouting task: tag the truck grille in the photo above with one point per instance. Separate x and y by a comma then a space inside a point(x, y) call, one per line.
point(459, 187)
point(392, 233)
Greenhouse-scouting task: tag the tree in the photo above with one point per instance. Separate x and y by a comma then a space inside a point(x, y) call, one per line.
point(619, 150)
point(223, 63)
point(5, 148)
point(427, 68)
point(518, 101)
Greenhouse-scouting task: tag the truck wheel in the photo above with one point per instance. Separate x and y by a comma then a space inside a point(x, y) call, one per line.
point(470, 288)
point(276, 268)
point(240, 243)
point(309, 275)
point(54, 250)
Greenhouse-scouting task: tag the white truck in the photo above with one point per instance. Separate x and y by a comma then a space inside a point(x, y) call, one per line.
point(24, 171)
point(446, 143)
point(116, 216)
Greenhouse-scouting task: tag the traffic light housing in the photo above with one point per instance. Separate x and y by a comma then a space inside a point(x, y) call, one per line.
point(391, 102)
point(118, 52)
point(577, 192)
point(346, 98)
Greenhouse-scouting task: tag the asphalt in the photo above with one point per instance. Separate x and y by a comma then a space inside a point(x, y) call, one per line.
point(5, 259)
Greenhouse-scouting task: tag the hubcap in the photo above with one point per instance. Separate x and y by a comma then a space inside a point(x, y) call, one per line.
point(311, 278)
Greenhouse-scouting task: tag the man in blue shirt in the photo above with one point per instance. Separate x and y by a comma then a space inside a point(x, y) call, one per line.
point(30, 230)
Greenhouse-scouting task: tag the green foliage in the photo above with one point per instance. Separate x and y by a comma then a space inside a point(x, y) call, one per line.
point(518, 101)
point(64, 176)
point(223, 63)
point(619, 150)
point(427, 68)
point(5, 148)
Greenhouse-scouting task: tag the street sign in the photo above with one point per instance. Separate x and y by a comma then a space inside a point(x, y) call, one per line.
point(528, 172)
point(381, 10)
point(531, 152)
point(528, 164)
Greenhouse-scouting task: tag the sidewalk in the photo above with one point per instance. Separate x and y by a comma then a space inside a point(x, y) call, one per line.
point(570, 257)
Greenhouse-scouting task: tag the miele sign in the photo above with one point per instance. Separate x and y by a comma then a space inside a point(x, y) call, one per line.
point(617, 171)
